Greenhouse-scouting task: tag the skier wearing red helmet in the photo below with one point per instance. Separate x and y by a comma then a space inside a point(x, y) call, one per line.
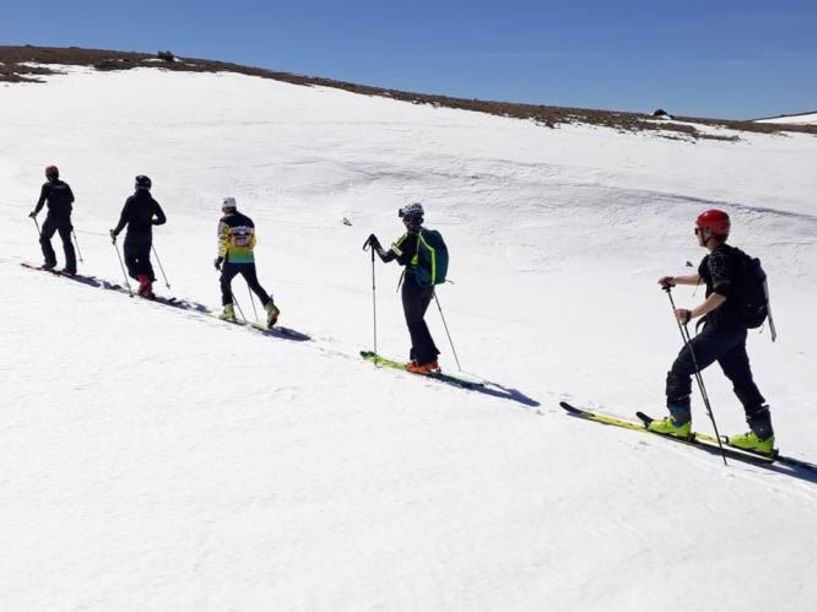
point(60, 198)
point(722, 339)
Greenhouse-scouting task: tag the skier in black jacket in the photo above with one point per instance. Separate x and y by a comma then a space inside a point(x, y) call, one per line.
point(416, 295)
point(723, 339)
point(140, 213)
point(60, 198)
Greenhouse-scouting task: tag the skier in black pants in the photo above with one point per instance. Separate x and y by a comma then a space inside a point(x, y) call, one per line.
point(59, 197)
point(236, 241)
point(140, 213)
point(723, 339)
point(416, 294)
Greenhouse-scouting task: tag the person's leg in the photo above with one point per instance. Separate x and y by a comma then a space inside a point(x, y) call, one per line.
point(131, 253)
point(145, 267)
point(228, 272)
point(735, 365)
point(46, 233)
point(702, 350)
point(250, 275)
point(68, 247)
point(415, 303)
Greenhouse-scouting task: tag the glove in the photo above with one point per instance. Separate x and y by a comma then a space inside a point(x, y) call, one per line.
point(683, 315)
point(666, 282)
point(113, 236)
point(218, 261)
point(374, 242)
point(32, 214)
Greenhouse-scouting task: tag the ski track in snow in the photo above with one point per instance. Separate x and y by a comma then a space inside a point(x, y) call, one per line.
point(152, 458)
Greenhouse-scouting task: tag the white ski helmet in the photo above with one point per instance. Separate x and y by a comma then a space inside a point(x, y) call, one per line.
point(228, 203)
point(412, 211)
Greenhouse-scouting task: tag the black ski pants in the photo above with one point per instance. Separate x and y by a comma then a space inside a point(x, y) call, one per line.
point(137, 255)
point(247, 270)
point(725, 343)
point(52, 225)
point(415, 303)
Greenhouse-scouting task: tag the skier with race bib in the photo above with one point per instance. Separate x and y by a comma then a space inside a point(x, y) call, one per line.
point(728, 313)
point(60, 198)
point(425, 257)
point(236, 241)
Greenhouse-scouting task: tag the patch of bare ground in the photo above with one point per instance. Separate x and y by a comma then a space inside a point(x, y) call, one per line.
point(15, 68)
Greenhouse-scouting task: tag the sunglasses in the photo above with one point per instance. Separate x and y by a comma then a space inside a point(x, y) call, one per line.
point(698, 230)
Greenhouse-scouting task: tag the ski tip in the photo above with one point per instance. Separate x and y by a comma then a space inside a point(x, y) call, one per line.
point(570, 408)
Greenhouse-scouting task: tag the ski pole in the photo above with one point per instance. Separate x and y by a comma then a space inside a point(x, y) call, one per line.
point(122, 265)
point(252, 301)
point(235, 301)
point(159, 261)
point(73, 231)
point(698, 376)
point(368, 245)
point(37, 225)
point(451, 342)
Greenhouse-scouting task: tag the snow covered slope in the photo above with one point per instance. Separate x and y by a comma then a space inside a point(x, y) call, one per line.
point(806, 119)
point(157, 459)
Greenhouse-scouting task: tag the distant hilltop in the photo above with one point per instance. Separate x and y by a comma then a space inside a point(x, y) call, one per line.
point(29, 64)
point(798, 119)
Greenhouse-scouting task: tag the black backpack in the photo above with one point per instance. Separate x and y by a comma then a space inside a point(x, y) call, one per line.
point(751, 295)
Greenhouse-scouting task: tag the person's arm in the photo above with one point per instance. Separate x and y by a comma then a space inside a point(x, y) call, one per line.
point(722, 272)
point(70, 194)
point(223, 239)
point(43, 197)
point(671, 281)
point(159, 214)
point(123, 219)
point(385, 256)
point(223, 244)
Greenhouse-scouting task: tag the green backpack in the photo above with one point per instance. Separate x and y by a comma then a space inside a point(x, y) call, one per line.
point(431, 261)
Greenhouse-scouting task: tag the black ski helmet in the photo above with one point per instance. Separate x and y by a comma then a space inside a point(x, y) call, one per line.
point(143, 182)
point(52, 171)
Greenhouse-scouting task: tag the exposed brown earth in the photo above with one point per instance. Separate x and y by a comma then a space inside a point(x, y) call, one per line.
point(13, 69)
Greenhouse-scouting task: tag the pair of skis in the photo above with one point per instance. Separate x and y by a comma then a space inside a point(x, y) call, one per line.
point(699, 440)
point(182, 304)
point(457, 379)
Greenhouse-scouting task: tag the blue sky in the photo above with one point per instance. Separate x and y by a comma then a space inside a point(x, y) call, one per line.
point(728, 59)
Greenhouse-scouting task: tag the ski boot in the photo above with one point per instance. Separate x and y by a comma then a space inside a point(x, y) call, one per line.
point(145, 286)
point(750, 442)
point(228, 314)
point(422, 368)
point(760, 437)
point(272, 313)
point(48, 265)
point(678, 424)
point(69, 271)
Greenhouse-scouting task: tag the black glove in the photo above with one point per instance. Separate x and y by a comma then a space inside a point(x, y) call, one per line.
point(218, 261)
point(666, 282)
point(113, 236)
point(373, 242)
point(33, 214)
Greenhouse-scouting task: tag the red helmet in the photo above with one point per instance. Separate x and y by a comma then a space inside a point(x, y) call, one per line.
point(716, 221)
point(52, 171)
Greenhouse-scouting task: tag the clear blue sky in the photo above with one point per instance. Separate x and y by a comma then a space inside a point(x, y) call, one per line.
point(715, 58)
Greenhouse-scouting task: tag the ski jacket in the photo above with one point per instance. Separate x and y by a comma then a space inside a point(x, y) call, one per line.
point(59, 197)
point(720, 271)
point(236, 238)
point(140, 213)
